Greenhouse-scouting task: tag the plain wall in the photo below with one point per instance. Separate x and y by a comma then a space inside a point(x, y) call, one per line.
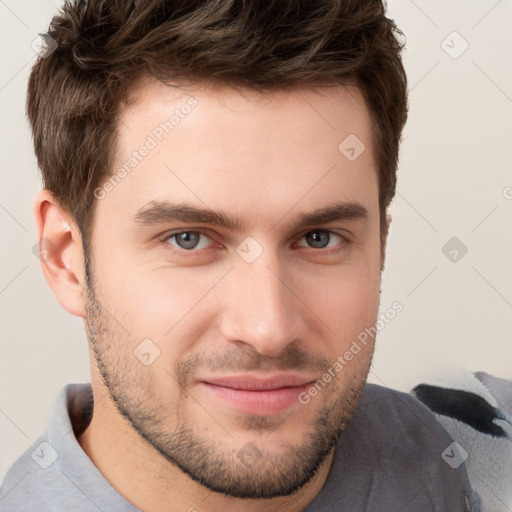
point(454, 180)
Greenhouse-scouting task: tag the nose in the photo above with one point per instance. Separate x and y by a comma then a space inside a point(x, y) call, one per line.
point(261, 307)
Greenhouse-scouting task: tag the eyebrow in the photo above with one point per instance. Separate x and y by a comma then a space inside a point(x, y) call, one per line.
point(161, 212)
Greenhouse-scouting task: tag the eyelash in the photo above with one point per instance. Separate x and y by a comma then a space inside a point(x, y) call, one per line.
point(342, 245)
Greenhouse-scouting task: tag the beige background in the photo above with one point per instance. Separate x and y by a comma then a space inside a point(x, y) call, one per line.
point(455, 180)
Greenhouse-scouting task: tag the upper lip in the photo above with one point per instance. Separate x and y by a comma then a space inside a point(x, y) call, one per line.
point(260, 382)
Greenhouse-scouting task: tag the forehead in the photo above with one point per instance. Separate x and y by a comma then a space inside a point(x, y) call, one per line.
point(223, 146)
point(302, 112)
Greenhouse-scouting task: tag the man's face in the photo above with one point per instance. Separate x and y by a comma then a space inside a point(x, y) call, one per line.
point(210, 334)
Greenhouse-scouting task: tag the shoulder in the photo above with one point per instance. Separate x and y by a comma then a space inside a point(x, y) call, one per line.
point(394, 455)
point(381, 406)
point(37, 480)
point(380, 397)
point(25, 483)
point(396, 426)
point(55, 474)
point(404, 435)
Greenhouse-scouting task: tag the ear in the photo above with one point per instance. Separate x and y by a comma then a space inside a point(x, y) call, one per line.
point(384, 240)
point(61, 254)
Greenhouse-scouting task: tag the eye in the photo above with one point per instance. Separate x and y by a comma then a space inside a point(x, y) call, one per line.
point(188, 240)
point(321, 239)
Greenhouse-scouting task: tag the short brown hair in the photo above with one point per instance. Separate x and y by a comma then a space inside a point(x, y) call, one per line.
point(104, 47)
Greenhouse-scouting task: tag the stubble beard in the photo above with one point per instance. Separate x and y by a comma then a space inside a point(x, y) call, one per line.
point(250, 471)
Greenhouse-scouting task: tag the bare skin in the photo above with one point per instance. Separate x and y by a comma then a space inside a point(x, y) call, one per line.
point(213, 304)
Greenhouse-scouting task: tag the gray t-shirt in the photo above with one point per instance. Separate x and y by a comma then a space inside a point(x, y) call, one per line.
point(393, 456)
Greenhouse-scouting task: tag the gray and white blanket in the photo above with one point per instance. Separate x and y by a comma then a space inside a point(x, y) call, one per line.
point(477, 412)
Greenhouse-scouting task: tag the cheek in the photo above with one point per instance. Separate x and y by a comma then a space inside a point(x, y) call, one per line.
point(167, 305)
point(353, 285)
point(345, 298)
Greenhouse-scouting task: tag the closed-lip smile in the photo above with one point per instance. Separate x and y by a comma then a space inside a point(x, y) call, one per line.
point(257, 393)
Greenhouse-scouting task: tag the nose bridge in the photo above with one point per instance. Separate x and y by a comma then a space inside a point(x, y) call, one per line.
point(260, 309)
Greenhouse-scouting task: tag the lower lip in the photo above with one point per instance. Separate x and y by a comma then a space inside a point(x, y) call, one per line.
point(257, 402)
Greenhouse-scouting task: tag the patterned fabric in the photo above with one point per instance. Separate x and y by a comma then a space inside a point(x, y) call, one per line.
point(478, 416)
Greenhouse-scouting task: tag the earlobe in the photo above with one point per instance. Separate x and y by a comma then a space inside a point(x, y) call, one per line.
point(389, 218)
point(61, 254)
